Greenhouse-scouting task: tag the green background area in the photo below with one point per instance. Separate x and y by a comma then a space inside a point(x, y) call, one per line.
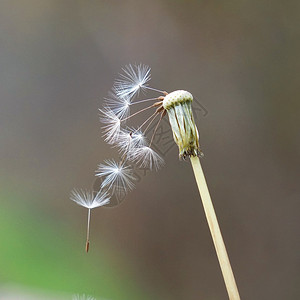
point(39, 252)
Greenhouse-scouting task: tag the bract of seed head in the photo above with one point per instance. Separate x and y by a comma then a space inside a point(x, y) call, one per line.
point(88, 200)
point(146, 158)
point(132, 80)
point(185, 132)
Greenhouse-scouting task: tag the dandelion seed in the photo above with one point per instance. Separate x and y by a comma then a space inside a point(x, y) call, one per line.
point(117, 177)
point(147, 158)
point(112, 125)
point(88, 200)
point(133, 79)
point(120, 106)
point(131, 144)
point(129, 139)
point(138, 139)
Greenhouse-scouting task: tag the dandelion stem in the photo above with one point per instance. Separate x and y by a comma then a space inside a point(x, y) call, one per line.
point(87, 245)
point(215, 230)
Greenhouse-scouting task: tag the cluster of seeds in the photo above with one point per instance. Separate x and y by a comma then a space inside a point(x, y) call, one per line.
point(134, 143)
point(117, 177)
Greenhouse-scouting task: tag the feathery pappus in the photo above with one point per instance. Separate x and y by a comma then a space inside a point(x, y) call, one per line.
point(135, 143)
point(88, 200)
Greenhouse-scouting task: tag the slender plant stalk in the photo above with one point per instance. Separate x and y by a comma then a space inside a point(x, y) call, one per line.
point(228, 276)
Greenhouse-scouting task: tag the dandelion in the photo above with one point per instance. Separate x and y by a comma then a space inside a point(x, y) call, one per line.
point(89, 201)
point(135, 145)
point(185, 133)
point(178, 106)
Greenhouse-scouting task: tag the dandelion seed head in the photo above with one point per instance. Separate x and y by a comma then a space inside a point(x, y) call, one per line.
point(88, 200)
point(185, 132)
point(132, 143)
point(176, 98)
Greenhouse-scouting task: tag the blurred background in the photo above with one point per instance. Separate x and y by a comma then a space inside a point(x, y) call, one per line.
point(58, 60)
